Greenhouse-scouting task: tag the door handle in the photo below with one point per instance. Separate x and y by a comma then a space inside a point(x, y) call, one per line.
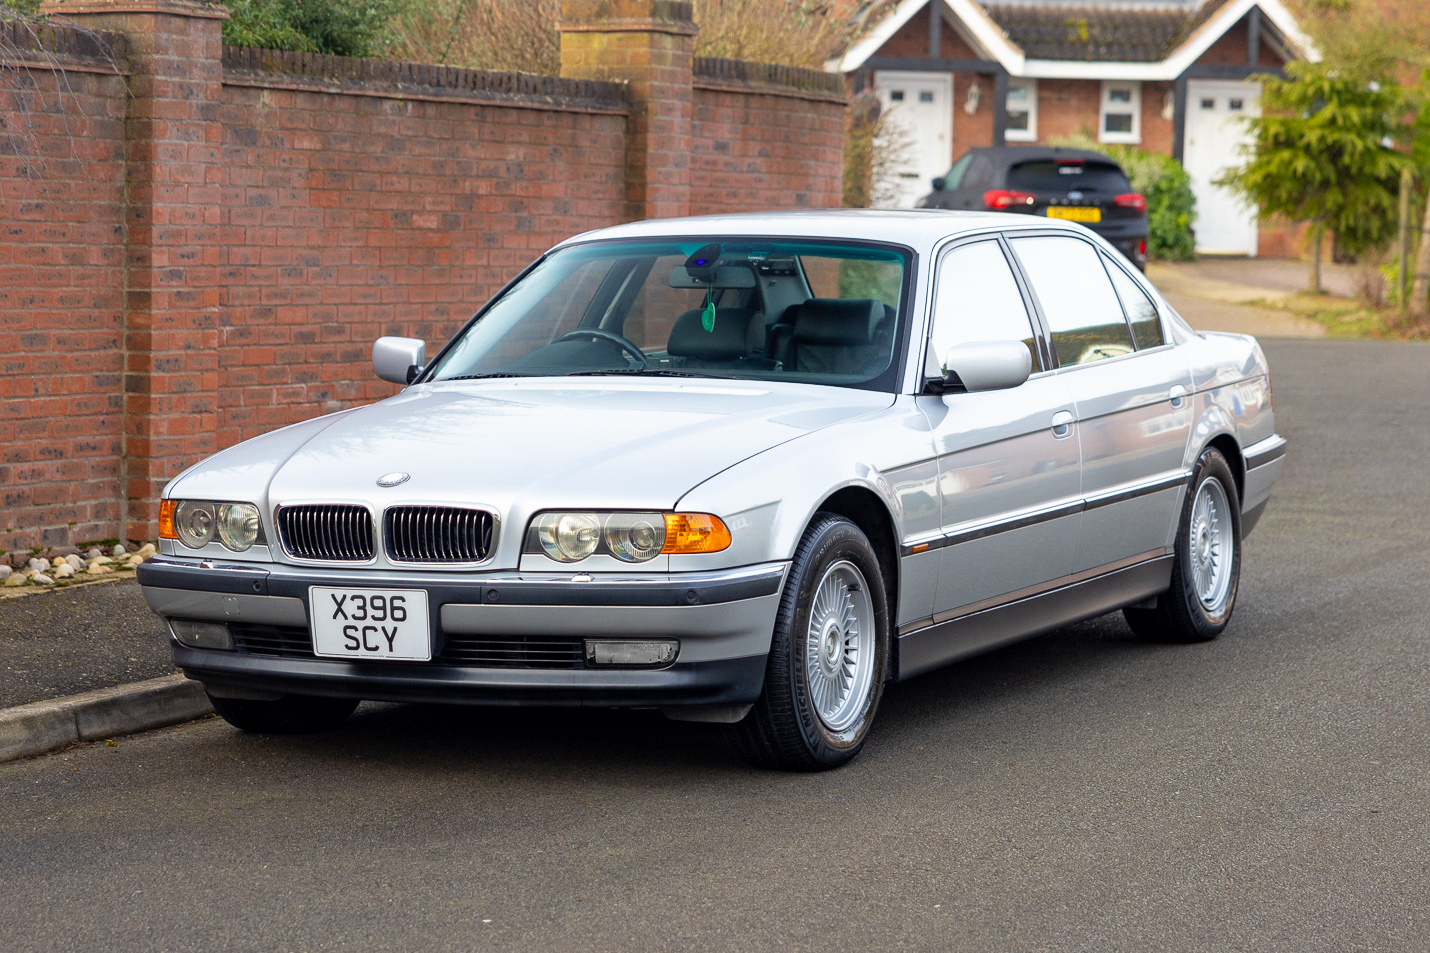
point(1062, 424)
point(1177, 395)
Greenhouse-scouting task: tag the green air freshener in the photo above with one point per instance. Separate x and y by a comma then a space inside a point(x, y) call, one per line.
point(707, 317)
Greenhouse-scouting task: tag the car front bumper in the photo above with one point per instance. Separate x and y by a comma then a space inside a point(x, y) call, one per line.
point(723, 621)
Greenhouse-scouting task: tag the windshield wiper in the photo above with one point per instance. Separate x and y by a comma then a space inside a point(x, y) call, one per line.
point(479, 377)
point(638, 371)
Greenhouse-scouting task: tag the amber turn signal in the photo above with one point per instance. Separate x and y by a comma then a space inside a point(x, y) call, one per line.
point(166, 519)
point(694, 533)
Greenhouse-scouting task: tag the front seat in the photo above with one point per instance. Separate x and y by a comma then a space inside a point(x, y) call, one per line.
point(737, 334)
point(836, 336)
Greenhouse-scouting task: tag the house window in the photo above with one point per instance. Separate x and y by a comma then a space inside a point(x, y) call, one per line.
point(1120, 119)
point(1022, 106)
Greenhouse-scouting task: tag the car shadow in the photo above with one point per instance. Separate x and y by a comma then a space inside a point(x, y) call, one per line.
point(642, 745)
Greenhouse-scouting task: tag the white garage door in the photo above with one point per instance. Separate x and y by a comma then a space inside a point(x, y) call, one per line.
point(1215, 135)
point(919, 107)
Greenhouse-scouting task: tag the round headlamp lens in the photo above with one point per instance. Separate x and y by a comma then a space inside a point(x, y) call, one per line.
point(238, 525)
point(635, 537)
point(194, 522)
point(567, 537)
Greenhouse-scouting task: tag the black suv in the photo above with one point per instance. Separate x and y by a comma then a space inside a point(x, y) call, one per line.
point(1070, 184)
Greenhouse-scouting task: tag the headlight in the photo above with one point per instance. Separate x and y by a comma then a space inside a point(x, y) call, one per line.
point(238, 525)
point(635, 537)
point(569, 537)
point(196, 523)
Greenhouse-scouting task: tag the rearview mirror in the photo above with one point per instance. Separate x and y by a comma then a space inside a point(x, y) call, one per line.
point(987, 365)
point(722, 276)
point(939, 183)
point(399, 360)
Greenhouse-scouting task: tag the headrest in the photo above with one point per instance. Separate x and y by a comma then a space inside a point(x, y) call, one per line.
point(837, 321)
point(729, 339)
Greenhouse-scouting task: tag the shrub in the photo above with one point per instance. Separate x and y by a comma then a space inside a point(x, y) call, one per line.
point(1171, 206)
point(337, 27)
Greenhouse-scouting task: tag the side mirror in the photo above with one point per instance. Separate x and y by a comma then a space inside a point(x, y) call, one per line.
point(938, 184)
point(987, 365)
point(398, 359)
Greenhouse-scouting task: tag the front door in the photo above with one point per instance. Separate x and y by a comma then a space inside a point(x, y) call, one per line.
point(919, 124)
point(1215, 133)
point(1008, 461)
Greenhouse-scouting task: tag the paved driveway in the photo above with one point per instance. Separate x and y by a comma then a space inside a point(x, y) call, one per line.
point(1212, 295)
point(1269, 791)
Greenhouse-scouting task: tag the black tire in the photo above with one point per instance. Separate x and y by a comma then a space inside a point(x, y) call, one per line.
point(785, 729)
point(289, 715)
point(1185, 613)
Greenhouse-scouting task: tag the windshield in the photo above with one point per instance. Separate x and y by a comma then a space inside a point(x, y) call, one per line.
point(777, 309)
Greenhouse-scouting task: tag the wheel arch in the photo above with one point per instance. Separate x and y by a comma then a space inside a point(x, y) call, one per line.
point(1230, 449)
point(868, 511)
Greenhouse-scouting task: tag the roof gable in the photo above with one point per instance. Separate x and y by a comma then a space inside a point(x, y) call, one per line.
point(1090, 38)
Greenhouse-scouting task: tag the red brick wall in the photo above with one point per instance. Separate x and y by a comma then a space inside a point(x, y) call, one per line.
point(756, 151)
point(1067, 107)
point(347, 216)
point(61, 301)
point(283, 210)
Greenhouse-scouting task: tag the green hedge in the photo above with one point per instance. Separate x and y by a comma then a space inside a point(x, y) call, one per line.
point(1171, 207)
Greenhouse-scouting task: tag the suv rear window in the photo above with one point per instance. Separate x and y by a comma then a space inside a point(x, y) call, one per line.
point(1049, 175)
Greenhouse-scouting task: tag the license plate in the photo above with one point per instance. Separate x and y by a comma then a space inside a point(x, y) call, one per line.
point(1075, 213)
point(378, 624)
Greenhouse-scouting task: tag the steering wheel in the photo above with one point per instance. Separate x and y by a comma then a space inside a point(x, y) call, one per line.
point(600, 334)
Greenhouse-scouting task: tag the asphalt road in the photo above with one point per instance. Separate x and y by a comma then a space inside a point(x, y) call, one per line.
point(1076, 792)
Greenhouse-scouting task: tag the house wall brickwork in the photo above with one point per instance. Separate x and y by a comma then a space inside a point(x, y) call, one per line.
point(283, 210)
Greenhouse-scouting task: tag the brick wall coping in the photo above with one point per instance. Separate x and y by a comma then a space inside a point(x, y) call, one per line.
point(768, 79)
point(51, 44)
point(316, 72)
point(675, 17)
point(202, 9)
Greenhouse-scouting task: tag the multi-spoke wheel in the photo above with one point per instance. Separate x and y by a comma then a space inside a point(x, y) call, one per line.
point(1207, 562)
point(839, 650)
point(828, 656)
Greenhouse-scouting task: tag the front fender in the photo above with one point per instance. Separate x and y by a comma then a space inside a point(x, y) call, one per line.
point(769, 499)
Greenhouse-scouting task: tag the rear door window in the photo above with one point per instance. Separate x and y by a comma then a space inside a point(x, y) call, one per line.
point(1051, 175)
point(1082, 310)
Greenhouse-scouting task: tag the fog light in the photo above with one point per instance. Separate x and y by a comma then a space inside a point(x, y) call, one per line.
point(604, 652)
point(201, 635)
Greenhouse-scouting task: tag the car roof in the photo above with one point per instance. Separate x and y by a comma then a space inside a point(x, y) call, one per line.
point(918, 228)
point(1007, 155)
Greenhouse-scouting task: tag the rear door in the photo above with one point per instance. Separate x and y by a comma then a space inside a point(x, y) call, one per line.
point(1131, 393)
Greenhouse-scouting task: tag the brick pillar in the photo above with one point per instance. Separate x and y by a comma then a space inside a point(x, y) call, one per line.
point(650, 45)
point(173, 58)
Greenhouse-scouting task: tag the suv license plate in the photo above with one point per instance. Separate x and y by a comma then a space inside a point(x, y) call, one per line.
point(1075, 213)
point(381, 624)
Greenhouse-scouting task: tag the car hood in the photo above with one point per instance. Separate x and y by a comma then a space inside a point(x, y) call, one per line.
point(550, 443)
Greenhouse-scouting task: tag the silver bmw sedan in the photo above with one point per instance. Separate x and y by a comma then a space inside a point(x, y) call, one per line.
point(747, 469)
